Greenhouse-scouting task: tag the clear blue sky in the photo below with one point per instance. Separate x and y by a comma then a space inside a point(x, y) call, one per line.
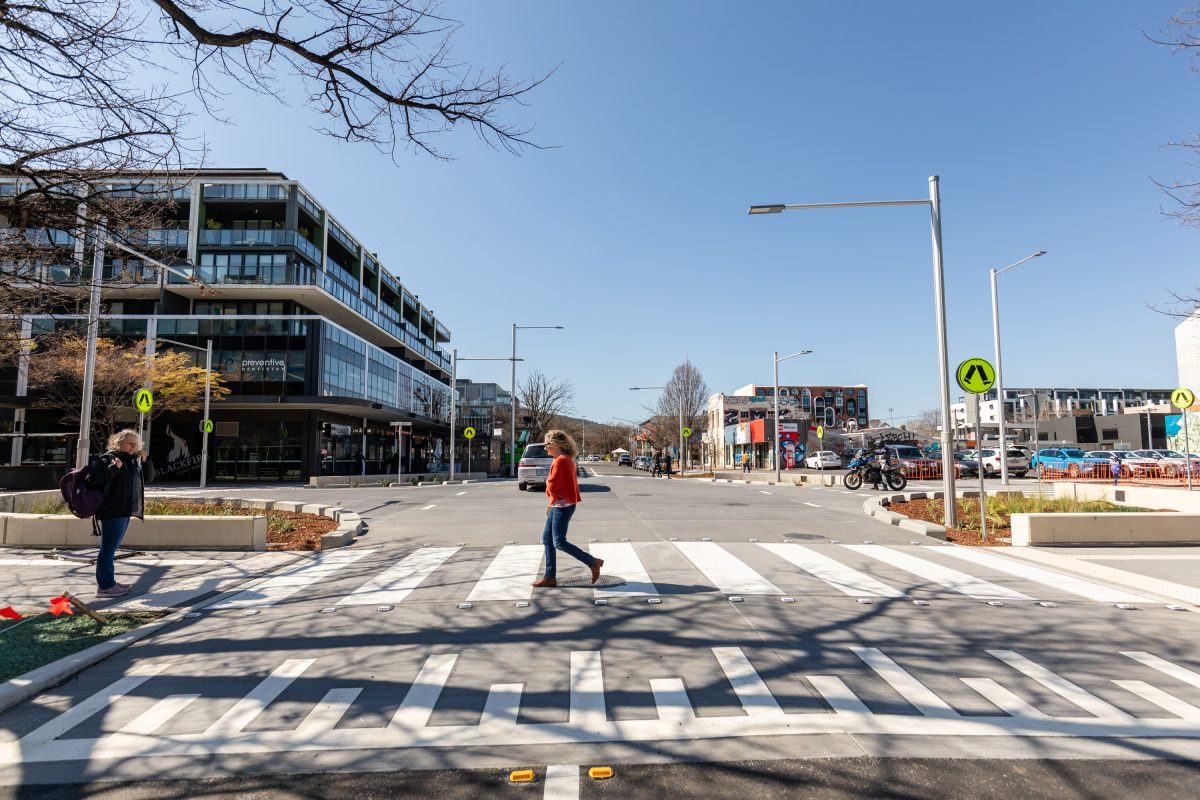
point(1045, 121)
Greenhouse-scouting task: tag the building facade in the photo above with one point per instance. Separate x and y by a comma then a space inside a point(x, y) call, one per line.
point(323, 347)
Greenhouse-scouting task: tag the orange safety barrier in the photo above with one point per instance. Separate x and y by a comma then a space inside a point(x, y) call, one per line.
point(1169, 474)
point(922, 470)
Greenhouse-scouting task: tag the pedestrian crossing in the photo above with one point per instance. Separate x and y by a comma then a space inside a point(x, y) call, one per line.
point(872, 692)
point(348, 578)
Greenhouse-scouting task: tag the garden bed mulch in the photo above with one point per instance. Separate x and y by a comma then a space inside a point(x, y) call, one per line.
point(29, 644)
point(924, 510)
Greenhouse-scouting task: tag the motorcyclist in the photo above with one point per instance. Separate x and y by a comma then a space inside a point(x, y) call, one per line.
point(880, 461)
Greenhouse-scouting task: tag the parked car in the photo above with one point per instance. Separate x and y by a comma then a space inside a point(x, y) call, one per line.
point(1132, 466)
point(914, 462)
point(1071, 460)
point(823, 459)
point(643, 462)
point(967, 467)
point(534, 467)
point(624, 460)
point(1170, 463)
point(594, 457)
point(989, 459)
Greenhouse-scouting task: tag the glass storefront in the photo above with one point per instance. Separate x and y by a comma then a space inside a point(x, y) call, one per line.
point(262, 451)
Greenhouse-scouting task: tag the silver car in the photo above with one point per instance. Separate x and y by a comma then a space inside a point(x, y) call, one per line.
point(534, 467)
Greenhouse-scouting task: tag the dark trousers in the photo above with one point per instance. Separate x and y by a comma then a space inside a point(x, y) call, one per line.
point(112, 531)
point(554, 538)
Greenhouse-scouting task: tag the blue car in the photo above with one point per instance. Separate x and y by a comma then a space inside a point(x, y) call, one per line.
point(1073, 461)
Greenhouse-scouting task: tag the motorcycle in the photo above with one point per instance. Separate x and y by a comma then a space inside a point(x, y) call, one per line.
point(862, 467)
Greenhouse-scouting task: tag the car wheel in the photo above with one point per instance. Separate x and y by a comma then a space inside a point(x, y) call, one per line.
point(1020, 473)
point(522, 486)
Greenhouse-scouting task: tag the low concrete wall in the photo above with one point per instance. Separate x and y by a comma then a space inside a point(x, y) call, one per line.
point(1144, 496)
point(328, 481)
point(1148, 528)
point(155, 533)
point(23, 502)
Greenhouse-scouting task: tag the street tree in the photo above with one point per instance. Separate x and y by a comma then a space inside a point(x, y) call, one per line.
point(56, 370)
point(543, 400)
point(686, 390)
point(89, 97)
point(927, 423)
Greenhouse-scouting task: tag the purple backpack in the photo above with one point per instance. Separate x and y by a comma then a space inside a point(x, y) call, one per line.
point(81, 499)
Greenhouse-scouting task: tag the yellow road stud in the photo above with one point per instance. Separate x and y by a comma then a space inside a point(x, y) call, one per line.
point(520, 775)
point(599, 773)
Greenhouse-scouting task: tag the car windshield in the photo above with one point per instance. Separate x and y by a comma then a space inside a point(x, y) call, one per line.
point(826, 453)
point(1073, 453)
point(1171, 454)
point(536, 451)
point(1015, 454)
point(989, 452)
point(907, 452)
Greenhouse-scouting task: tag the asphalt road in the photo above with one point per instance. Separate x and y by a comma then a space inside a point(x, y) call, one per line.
point(753, 641)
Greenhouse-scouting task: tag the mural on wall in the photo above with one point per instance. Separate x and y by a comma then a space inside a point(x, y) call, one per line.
point(742, 409)
point(1175, 432)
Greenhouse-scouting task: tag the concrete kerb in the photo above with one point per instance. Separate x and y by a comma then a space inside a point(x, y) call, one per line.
point(22, 687)
point(874, 507)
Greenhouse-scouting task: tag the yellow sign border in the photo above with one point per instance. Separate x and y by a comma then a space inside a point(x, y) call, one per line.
point(149, 405)
point(687, 433)
point(966, 362)
point(468, 432)
point(1190, 394)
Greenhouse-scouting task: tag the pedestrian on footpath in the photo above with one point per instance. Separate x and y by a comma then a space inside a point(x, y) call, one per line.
point(562, 488)
point(667, 465)
point(657, 471)
point(745, 463)
point(122, 474)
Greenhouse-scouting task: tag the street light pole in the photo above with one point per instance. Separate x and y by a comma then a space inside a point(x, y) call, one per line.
point(776, 359)
point(935, 208)
point(1000, 364)
point(512, 401)
point(454, 359)
point(84, 447)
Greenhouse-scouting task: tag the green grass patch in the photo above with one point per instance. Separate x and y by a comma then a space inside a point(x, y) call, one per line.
point(1001, 507)
point(27, 645)
point(277, 521)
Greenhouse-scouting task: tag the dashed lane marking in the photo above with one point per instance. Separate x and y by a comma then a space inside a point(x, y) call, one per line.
point(814, 505)
point(431, 505)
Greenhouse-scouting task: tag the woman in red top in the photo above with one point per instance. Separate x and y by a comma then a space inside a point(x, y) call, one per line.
point(563, 491)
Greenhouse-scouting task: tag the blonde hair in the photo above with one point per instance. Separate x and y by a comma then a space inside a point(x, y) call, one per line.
point(114, 441)
point(563, 441)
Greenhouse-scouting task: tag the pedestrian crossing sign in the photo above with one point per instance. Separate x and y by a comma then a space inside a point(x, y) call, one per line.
point(143, 401)
point(469, 433)
point(975, 375)
point(1183, 397)
point(687, 433)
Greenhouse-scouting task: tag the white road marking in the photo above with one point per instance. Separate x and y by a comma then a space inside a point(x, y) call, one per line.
point(141, 562)
point(459, 494)
point(417, 706)
point(622, 560)
point(244, 711)
point(1003, 699)
point(398, 581)
point(562, 782)
point(159, 714)
point(1166, 667)
point(747, 684)
point(764, 491)
point(282, 586)
point(1167, 702)
point(510, 575)
point(328, 713)
point(728, 573)
point(814, 505)
point(1067, 583)
point(431, 505)
point(916, 693)
point(950, 578)
point(1061, 686)
point(845, 579)
point(587, 705)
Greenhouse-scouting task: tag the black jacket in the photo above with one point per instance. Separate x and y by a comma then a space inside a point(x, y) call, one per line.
point(124, 487)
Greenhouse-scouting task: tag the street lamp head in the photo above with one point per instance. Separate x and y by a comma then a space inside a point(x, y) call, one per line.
point(771, 209)
point(1040, 253)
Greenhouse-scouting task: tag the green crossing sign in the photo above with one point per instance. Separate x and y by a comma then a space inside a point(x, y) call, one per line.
point(976, 375)
point(143, 400)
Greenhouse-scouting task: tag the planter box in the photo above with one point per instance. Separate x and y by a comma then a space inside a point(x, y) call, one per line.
point(156, 533)
point(1145, 528)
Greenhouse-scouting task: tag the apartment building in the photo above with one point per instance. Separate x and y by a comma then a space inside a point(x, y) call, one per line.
point(323, 346)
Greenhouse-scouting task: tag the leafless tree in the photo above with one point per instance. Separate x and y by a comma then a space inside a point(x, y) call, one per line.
point(927, 423)
point(543, 399)
point(88, 95)
point(686, 391)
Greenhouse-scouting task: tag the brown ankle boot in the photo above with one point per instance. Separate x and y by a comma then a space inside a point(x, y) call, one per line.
point(544, 582)
point(596, 565)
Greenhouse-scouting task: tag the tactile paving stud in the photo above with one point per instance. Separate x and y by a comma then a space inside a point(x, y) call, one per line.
point(194, 614)
point(914, 542)
point(509, 541)
point(625, 539)
point(674, 538)
point(427, 544)
point(593, 540)
point(733, 598)
point(787, 599)
point(600, 602)
point(868, 541)
point(1126, 607)
point(754, 540)
point(706, 539)
point(920, 602)
point(600, 773)
point(460, 544)
point(522, 604)
point(466, 605)
point(866, 601)
point(329, 610)
point(654, 601)
point(383, 608)
point(1169, 608)
point(251, 612)
point(1048, 604)
point(995, 602)
point(835, 541)
point(520, 775)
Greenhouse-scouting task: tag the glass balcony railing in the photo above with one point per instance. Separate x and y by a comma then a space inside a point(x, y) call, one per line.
point(42, 236)
point(247, 238)
point(157, 237)
point(341, 273)
point(130, 274)
point(286, 275)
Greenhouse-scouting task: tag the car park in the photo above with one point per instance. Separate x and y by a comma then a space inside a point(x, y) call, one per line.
point(989, 460)
point(1074, 462)
point(534, 467)
point(823, 459)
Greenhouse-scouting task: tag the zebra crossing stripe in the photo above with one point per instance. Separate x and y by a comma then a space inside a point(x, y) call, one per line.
point(588, 708)
point(159, 714)
point(1067, 583)
point(283, 586)
point(916, 693)
point(945, 576)
point(846, 580)
point(562, 782)
point(327, 713)
point(1061, 686)
point(244, 711)
point(725, 571)
point(749, 687)
point(510, 575)
point(398, 581)
point(1167, 702)
point(422, 696)
point(1003, 699)
point(621, 559)
point(1162, 665)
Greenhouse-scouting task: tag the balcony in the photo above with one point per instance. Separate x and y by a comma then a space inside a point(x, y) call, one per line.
point(39, 236)
point(288, 275)
point(247, 238)
point(157, 237)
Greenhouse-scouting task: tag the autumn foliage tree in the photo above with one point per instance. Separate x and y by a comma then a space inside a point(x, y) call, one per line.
point(56, 369)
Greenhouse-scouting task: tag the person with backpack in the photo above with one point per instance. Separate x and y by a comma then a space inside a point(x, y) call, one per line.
point(121, 473)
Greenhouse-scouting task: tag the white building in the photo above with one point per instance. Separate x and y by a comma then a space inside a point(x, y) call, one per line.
point(1187, 351)
point(1052, 403)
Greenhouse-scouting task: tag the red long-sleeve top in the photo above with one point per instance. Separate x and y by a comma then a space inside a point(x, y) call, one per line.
point(562, 485)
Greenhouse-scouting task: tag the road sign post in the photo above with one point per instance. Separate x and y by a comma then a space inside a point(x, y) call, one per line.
point(469, 435)
point(976, 376)
point(1182, 398)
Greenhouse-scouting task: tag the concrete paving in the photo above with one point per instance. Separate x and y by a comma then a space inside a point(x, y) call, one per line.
point(792, 638)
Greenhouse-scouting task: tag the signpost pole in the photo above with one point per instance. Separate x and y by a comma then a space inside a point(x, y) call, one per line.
point(207, 395)
point(453, 405)
point(982, 490)
point(1187, 447)
point(1183, 398)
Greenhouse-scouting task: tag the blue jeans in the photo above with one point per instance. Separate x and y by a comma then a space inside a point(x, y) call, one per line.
point(112, 531)
point(554, 537)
